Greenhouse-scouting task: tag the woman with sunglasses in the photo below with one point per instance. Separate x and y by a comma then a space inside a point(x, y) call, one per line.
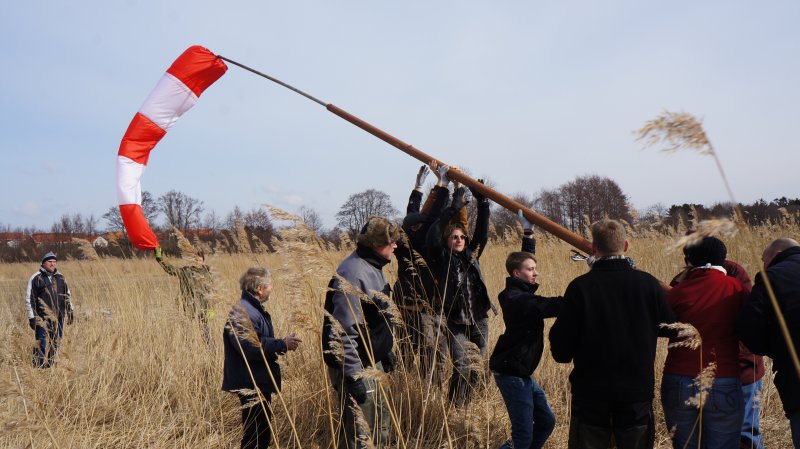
point(465, 302)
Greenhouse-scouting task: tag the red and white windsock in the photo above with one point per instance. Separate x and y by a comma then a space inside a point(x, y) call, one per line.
point(176, 92)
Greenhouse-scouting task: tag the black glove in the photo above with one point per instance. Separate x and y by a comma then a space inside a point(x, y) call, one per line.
point(70, 316)
point(32, 323)
point(357, 389)
point(458, 198)
point(389, 362)
point(479, 198)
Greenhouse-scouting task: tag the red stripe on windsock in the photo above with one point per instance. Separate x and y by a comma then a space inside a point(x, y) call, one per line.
point(142, 135)
point(139, 233)
point(197, 68)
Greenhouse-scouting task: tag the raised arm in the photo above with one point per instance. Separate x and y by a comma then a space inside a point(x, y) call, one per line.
point(481, 235)
point(415, 199)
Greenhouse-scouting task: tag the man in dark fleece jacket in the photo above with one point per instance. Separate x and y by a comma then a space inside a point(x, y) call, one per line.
point(608, 328)
point(519, 349)
point(757, 325)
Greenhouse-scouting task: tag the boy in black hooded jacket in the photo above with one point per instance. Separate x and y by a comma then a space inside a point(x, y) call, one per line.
point(519, 349)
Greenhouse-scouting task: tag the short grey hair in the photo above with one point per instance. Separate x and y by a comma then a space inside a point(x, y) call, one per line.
point(255, 277)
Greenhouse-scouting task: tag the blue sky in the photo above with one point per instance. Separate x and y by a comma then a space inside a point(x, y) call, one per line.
point(528, 93)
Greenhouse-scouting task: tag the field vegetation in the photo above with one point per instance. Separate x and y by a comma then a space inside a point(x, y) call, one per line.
point(135, 372)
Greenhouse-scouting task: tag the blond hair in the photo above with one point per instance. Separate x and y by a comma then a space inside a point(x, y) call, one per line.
point(608, 236)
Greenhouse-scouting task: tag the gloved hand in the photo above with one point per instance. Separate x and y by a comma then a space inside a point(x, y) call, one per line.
point(357, 389)
point(389, 362)
point(443, 169)
point(158, 255)
point(458, 198)
point(479, 198)
point(421, 175)
point(527, 226)
point(32, 323)
point(70, 315)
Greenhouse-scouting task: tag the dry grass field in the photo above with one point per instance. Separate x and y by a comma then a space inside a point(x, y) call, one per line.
point(134, 372)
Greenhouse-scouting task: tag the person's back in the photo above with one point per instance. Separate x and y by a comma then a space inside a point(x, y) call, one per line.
point(708, 299)
point(758, 327)
point(608, 328)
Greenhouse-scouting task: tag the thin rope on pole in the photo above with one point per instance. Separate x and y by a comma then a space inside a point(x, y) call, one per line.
point(274, 80)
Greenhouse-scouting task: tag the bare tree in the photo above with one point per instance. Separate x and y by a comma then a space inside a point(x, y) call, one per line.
point(90, 225)
point(113, 219)
point(354, 212)
point(150, 210)
point(181, 210)
point(311, 218)
point(212, 222)
point(504, 219)
point(589, 197)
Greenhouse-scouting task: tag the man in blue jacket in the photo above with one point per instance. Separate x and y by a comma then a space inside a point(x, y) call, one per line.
point(48, 303)
point(757, 324)
point(251, 357)
point(519, 350)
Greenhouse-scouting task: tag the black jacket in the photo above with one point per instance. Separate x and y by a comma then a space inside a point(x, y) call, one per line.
point(241, 352)
point(608, 327)
point(47, 291)
point(415, 288)
point(519, 349)
point(758, 328)
point(446, 264)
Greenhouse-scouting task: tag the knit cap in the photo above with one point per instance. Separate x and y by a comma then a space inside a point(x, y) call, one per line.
point(49, 256)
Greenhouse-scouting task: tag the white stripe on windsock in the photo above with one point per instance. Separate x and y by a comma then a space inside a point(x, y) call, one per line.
point(129, 186)
point(168, 101)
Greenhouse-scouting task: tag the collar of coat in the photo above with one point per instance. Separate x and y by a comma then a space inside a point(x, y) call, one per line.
point(612, 263)
point(47, 273)
point(251, 298)
point(371, 256)
point(785, 254)
point(708, 266)
point(519, 284)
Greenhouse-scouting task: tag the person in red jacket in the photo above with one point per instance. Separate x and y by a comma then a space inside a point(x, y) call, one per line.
point(751, 366)
point(709, 300)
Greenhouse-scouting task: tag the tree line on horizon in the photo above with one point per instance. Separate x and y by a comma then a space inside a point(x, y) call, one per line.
point(572, 205)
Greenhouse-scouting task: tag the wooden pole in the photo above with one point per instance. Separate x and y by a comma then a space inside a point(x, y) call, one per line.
point(539, 220)
point(456, 175)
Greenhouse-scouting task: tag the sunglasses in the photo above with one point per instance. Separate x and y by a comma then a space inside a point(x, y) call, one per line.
point(458, 237)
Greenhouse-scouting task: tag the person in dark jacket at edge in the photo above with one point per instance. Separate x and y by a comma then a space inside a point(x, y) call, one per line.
point(751, 366)
point(608, 328)
point(519, 349)
point(251, 347)
point(48, 302)
point(357, 335)
point(758, 328)
point(415, 289)
point(465, 301)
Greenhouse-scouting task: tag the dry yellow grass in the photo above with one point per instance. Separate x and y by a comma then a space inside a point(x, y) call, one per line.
point(135, 372)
